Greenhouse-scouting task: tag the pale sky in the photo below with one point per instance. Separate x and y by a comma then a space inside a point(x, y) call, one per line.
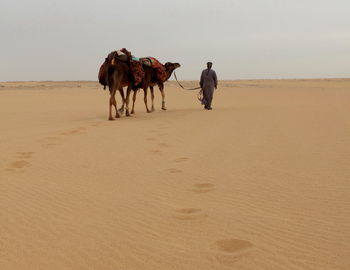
point(245, 39)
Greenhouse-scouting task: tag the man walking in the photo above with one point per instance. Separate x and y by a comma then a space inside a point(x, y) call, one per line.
point(208, 82)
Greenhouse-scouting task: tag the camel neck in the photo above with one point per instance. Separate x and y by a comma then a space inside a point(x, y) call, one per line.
point(169, 73)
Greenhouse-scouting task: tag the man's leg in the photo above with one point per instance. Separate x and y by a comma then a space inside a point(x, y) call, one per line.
point(210, 93)
point(205, 98)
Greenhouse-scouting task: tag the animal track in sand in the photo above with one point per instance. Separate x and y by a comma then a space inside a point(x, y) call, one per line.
point(157, 151)
point(163, 145)
point(188, 210)
point(173, 170)
point(203, 187)
point(49, 141)
point(233, 245)
point(74, 131)
point(189, 214)
point(181, 159)
point(229, 251)
point(21, 162)
point(25, 155)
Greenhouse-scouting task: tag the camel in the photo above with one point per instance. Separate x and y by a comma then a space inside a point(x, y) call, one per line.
point(115, 73)
point(150, 80)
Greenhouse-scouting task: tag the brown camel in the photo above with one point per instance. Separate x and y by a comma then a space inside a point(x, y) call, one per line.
point(115, 73)
point(150, 80)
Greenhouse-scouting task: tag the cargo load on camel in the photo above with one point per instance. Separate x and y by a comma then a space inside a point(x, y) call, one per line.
point(125, 56)
point(154, 63)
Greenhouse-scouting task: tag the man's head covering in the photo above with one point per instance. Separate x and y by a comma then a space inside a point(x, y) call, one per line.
point(209, 64)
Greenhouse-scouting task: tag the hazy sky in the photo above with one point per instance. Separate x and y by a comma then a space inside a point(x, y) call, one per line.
point(69, 39)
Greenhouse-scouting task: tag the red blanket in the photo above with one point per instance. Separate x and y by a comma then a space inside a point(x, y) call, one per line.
point(154, 63)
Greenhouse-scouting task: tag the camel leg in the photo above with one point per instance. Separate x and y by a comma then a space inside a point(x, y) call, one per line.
point(117, 115)
point(161, 89)
point(127, 101)
point(112, 102)
point(133, 102)
point(121, 91)
point(145, 99)
point(152, 96)
point(113, 88)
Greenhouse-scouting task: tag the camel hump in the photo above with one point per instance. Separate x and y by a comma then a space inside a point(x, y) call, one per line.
point(122, 55)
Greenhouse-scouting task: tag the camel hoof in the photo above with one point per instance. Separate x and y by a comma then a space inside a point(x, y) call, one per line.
point(127, 114)
point(132, 112)
point(163, 108)
point(111, 119)
point(148, 111)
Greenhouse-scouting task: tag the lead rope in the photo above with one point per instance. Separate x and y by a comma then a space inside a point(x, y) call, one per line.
point(184, 87)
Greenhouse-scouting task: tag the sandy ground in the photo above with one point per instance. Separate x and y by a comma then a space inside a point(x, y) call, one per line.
point(260, 182)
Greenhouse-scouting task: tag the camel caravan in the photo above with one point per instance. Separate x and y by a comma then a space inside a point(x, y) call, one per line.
point(122, 69)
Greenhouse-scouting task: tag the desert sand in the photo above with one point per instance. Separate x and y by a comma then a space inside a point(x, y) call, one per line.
point(260, 182)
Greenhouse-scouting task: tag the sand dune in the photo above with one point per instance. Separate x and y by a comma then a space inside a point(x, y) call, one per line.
point(260, 182)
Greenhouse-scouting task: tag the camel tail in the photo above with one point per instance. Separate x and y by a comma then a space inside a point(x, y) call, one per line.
point(103, 75)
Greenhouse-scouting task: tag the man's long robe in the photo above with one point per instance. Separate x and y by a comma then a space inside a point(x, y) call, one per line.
point(208, 82)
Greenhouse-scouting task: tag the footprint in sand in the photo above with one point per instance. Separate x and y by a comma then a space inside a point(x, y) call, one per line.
point(233, 245)
point(203, 188)
point(74, 131)
point(174, 170)
point(24, 155)
point(181, 159)
point(49, 141)
point(150, 139)
point(21, 162)
point(157, 151)
point(18, 165)
point(189, 214)
point(163, 145)
point(229, 251)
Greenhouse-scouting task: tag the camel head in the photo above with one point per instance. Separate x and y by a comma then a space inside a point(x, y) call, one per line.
point(170, 67)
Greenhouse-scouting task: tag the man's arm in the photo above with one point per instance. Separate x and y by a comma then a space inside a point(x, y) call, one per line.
point(201, 80)
point(215, 79)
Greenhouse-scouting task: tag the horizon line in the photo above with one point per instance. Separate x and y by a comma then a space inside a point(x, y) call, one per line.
point(255, 79)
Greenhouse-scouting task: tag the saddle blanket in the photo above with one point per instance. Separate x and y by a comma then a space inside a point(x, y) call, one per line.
point(154, 63)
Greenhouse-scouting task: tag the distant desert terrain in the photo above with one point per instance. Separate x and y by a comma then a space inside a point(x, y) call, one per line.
point(260, 182)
